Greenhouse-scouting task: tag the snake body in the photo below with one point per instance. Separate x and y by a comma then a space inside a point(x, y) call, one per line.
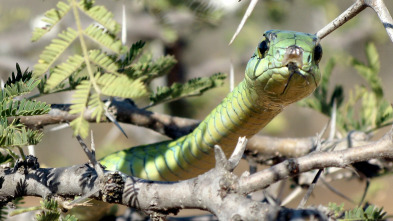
point(282, 70)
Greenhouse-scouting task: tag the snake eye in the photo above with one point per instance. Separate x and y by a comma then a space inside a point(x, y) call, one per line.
point(263, 47)
point(317, 53)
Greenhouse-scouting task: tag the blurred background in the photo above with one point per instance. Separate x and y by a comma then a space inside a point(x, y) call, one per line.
point(197, 33)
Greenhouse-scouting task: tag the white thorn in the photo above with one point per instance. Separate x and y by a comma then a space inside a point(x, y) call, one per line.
point(31, 150)
point(124, 26)
point(231, 77)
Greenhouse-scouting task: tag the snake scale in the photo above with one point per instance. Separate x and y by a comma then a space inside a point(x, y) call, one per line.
point(282, 70)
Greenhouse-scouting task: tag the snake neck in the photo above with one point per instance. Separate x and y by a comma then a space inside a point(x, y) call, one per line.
point(244, 112)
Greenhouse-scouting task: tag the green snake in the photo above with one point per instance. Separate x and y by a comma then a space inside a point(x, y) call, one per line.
point(282, 70)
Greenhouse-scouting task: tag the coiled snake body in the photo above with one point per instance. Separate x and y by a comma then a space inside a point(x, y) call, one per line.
point(282, 70)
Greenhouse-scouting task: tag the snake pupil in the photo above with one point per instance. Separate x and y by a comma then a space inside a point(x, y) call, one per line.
point(317, 53)
point(263, 47)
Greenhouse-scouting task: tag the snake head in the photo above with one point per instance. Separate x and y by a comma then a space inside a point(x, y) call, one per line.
point(284, 67)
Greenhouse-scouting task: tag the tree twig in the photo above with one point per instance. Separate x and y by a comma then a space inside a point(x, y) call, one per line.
point(377, 5)
point(164, 197)
point(382, 148)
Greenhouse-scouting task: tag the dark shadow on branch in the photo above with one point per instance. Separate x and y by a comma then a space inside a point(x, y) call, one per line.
point(21, 188)
point(47, 177)
point(88, 177)
point(131, 193)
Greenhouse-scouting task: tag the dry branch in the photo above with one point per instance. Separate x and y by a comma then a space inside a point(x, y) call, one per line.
point(377, 5)
point(218, 191)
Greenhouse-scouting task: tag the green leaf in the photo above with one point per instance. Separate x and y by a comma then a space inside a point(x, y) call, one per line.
point(370, 72)
point(371, 212)
point(81, 97)
point(193, 87)
point(98, 107)
point(23, 107)
point(50, 211)
point(20, 76)
point(80, 126)
point(16, 134)
point(372, 57)
point(337, 209)
point(19, 84)
point(121, 86)
point(52, 17)
point(130, 56)
point(101, 15)
point(70, 218)
point(53, 51)
point(105, 39)
point(80, 102)
point(384, 113)
point(149, 69)
point(63, 71)
point(102, 60)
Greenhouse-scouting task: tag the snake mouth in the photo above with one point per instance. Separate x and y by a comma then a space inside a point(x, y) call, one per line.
point(293, 69)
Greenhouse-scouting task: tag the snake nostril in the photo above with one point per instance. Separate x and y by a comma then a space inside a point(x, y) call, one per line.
point(293, 54)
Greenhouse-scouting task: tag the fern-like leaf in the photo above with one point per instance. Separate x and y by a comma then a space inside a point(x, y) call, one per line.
point(3, 213)
point(370, 212)
point(103, 38)
point(80, 102)
point(50, 211)
point(80, 126)
point(52, 52)
point(148, 69)
point(16, 134)
point(135, 50)
point(70, 218)
point(23, 107)
point(101, 15)
point(121, 86)
point(18, 89)
point(19, 84)
point(20, 76)
point(370, 71)
point(103, 61)
point(63, 71)
point(52, 17)
point(193, 87)
point(98, 107)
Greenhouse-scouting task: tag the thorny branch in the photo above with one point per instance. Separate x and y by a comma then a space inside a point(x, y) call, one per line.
point(174, 127)
point(377, 5)
point(200, 192)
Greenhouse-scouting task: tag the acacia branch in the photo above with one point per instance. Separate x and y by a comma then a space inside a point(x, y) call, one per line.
point(218, 191)
point(380, 149)
point(377, 5)
point(125, 111)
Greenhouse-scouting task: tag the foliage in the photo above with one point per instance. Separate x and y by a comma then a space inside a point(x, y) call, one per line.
point(375, 111)
point(336, 209)
point(95, 74)
point(49, 211)
point(193, 87)
point(12, 132)
point(203, 12)
point(369, 212)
